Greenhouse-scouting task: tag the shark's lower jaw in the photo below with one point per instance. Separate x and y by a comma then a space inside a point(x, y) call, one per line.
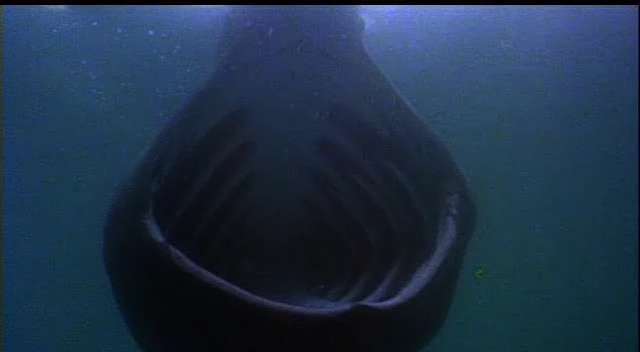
point(358, 234)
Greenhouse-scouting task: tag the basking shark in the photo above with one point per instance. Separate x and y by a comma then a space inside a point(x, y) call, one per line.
point(296, 203)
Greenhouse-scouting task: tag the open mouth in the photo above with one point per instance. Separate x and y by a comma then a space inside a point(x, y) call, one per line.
point(359, 234)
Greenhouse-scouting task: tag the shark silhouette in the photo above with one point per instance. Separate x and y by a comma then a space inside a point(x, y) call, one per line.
point(297, 203)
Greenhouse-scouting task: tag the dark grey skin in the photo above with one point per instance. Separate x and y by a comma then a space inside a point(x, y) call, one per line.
point(297, 203)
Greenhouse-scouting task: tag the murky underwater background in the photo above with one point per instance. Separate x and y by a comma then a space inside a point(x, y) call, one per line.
point(539, 106)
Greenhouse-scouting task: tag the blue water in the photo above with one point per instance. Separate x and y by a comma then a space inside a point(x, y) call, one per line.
point(539, 106)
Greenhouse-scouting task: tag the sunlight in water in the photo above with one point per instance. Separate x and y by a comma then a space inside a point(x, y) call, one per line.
point(56, 7)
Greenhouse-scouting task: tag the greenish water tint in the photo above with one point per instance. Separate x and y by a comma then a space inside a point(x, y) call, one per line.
point(538, 105)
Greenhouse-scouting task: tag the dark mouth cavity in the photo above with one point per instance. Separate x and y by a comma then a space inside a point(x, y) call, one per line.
point(358, 236)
